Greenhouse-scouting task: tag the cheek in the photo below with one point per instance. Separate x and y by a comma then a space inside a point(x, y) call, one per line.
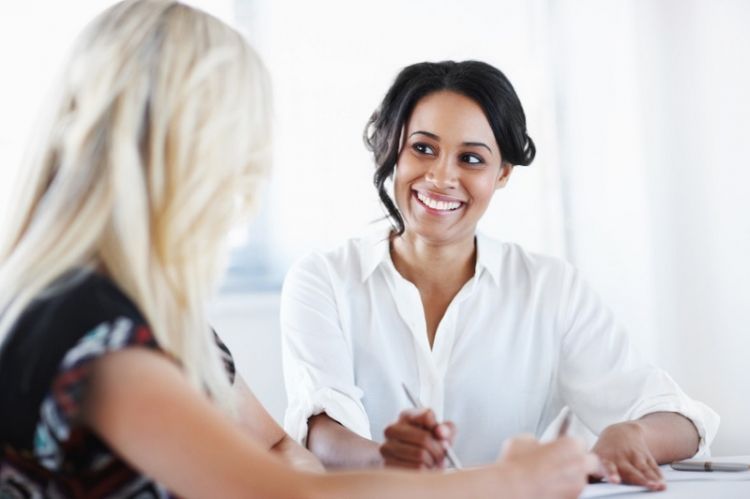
point(482, 190)
point(400, 187)
point(404, 174)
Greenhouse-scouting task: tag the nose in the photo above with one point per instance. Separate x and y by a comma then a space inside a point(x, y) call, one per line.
point(442, 174)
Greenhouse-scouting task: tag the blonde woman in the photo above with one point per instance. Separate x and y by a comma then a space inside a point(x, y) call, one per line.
point(111, 382)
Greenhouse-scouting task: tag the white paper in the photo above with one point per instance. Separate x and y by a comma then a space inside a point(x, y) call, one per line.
point(609, 489)
point(670, 475)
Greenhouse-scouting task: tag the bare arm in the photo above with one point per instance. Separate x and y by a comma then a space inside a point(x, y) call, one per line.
point(636, 448)
point(670, 436)
point(140, 404)
point(259, 425)
point(340, 448)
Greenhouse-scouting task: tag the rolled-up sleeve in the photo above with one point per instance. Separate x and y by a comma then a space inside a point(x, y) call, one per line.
point(605, 380)
point(317, 355)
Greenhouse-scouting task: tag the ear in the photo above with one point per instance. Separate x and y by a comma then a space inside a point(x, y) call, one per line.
point(505, 170)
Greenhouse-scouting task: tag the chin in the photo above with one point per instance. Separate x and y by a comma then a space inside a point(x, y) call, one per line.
point(434, 235)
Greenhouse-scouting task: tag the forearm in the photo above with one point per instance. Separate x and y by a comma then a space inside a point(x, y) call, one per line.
point(670, 436)
point(497, 481)
point(296, 456)
point(339, 448)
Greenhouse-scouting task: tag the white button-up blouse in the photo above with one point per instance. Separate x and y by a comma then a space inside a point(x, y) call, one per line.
point(522, 339)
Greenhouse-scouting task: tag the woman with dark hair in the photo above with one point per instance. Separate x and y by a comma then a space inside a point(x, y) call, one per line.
point(493, 338)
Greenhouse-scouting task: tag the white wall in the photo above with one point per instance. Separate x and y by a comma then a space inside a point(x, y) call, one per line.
point(249, 325)
point(696, 136)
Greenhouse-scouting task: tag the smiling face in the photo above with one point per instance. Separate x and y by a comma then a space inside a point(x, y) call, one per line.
point(448, 168)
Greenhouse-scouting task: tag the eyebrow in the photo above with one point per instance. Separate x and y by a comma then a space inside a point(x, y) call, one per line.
point(436, 137)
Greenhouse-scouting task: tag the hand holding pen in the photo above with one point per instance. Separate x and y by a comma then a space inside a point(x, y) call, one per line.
point(562, 465)
point(417, 440)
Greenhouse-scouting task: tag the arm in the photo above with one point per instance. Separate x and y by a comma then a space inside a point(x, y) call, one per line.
point(139, 403)
point(670, 436)
point(319, 371)
point(636, 448)
point(631, 404)
point(259, 425)
point(339, 448)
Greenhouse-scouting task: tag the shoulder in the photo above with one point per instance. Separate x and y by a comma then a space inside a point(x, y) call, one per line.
point(511, 264)
point(348, 262)
point(72, 307)
point(73, 321)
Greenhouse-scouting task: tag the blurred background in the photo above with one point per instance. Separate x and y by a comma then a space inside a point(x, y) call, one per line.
point(641, 114)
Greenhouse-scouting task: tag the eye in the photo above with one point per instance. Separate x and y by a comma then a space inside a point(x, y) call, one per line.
point(423, 148)
point(472, 159)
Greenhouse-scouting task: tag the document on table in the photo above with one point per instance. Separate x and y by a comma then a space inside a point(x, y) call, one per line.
point(605, 489)
point(611, 489)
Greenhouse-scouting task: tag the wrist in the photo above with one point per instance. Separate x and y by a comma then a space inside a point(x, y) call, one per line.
point(634, 428)
point(516, 480)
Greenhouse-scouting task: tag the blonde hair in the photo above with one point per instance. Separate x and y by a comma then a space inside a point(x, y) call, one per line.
point(152, 151)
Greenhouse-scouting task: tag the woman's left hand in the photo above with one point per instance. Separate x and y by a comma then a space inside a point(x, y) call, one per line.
point(623, 447)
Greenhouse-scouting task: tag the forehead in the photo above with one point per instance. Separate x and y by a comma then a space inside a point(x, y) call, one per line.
point(451, 116)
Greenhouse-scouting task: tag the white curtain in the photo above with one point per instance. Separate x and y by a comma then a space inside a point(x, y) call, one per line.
point(654, 119)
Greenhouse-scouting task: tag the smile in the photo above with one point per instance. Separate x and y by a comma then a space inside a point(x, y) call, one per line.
point(437, 204)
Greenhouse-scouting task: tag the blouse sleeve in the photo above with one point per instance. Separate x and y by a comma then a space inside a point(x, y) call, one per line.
point(317, 357)
point(605, 380)
point(61, 408)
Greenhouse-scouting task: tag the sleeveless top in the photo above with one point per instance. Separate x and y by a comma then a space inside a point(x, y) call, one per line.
point(45, 363)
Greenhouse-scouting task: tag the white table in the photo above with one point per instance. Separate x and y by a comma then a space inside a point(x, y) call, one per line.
point(696, 485)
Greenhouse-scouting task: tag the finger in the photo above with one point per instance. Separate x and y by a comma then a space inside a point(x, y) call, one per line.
point(519, 445)
point(592, 464)
point(445, 431)
point(607, 471)
point(416, 436)
point(610, 472)
point(655, 481)
point(401, 451)
point(652, 462)
point(423, 417)
point(631, 475)
point(645, 467)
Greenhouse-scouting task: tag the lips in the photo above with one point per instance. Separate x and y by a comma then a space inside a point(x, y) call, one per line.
point(437, 202)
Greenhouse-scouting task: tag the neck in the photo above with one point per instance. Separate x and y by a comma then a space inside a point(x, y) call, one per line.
point(423, 261)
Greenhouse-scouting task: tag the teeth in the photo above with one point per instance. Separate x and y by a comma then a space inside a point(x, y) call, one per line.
point(438, 205)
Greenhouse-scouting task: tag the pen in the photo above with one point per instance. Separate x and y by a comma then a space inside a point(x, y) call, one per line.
point(452, 457)
point(565, 423)
point(708, 466)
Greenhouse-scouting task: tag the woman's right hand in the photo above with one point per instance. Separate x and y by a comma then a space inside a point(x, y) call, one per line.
point(558, 469)
point(417, 440)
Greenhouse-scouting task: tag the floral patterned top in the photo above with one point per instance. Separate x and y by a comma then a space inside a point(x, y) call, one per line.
point(45, 363)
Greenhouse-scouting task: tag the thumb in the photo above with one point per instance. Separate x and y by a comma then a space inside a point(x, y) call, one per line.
point(445, 431)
